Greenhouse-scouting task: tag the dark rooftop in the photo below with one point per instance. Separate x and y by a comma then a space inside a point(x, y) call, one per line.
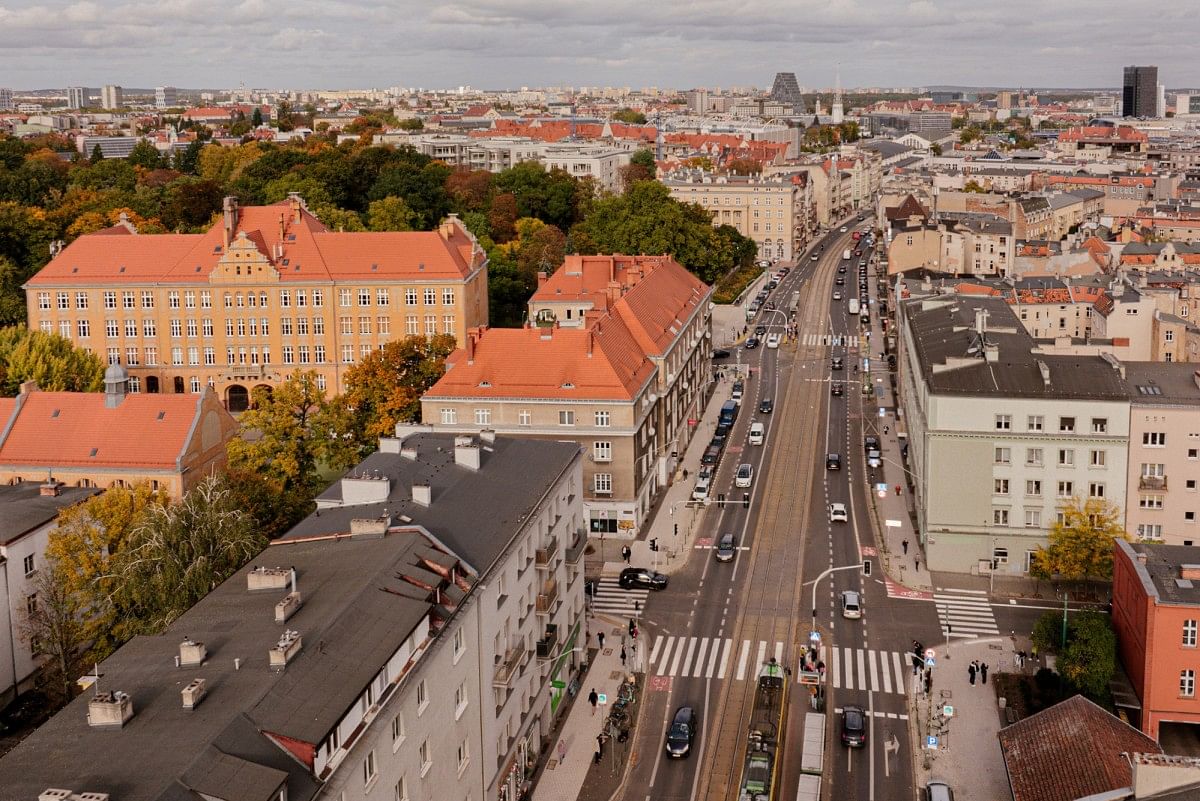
point(26, 509)
point(1161, 574)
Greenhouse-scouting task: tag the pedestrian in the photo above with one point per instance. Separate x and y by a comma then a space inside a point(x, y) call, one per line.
point(685, 474)
point(897, 489)
point(1021, 659)
point(622, 656)
point(594, 699)
point(562, 750)
point(596, 757)
point(885, 430)
point(983, 672)
point(918, 563)
point(904, 545)
point(626, 552)
point(970, 672)
point(600, 639)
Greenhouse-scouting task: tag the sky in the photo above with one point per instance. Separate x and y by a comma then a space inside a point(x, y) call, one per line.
point(492, 44)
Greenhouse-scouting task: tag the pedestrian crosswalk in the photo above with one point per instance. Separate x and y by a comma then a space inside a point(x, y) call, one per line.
point(738, 660)
point(841, 340)
point(612, 599)
point(965, 613)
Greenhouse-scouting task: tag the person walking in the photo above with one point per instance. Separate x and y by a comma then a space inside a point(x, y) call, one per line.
point(897, 489)
point(626, 553)
point(885, 430)
point(970, 672)
point(983, 672)
point(594, 699)
point(600, 639)
point(562, 750)
point(904, 545)
point(622, 656)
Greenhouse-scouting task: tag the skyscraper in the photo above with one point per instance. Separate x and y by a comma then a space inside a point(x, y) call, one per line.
point(165, 97)
point(111, 97)
point(1139, 95)
point(787, 90)
point(6, 101)
point(77, 97)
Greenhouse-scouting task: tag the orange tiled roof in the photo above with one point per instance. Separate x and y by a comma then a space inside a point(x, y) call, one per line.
point(75, 429)
point(1120, 133)
point(310, 252)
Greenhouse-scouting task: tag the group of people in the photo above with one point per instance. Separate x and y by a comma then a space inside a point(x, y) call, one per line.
point(980, 668)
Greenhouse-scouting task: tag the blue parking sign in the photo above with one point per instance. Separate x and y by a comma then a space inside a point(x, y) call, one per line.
point(931, 742)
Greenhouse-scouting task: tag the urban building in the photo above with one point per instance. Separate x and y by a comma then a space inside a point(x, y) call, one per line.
point(165, 97)
point(1184, 104)
point(599, 162)
point(413, 638)
point(31, 512)
point(92, 439)
point(77, 97)
point(1164, 452)
point(930, 125)
point(617, 357)
point(977, 246)
point(1155, 609)
point(111, 147)
point(111, 97)
point(786, 90)
point(6, 99)
point(266, 291)
point(1139, 93)
point(999, 435)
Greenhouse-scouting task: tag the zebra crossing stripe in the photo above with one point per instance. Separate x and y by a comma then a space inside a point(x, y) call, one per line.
point(887, 674)
point(874, 671)
point(658, 641)
point(698, 665)
point(762, 652)
point(862, 673)
point(687, 659)
point(675, 662)
point(724, 659)
point(778, 652)
point(741, 671)
point(899, 663)
point(662, 666)
point(849, 669)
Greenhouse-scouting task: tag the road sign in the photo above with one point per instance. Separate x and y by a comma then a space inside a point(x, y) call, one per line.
point(931, 742)
point(602, 699)
point(948, 711)
point(814, 636)
point(930, 662)
point(881, 489)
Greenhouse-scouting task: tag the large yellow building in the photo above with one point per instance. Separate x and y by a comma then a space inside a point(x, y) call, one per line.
point(266, 291)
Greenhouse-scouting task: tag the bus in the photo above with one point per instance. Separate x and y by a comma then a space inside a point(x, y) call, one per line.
point(812, 758)
point(795, 302)
point(761, 772)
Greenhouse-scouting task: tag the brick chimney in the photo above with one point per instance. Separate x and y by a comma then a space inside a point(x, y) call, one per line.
point(542, 278)
point(296, 203)
point(614, 291)
point(51, 489)
point(229, 211)
point(473, 336)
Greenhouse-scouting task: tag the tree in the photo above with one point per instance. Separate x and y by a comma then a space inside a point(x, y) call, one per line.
point(385, 388)
point(973, 186)
point(273, 508)
point(12, 297)
point(633, 173)
point(145, 155)
point(470, 190)
point(1088, 657)
point(971, 133)
point(935, 149)
point(547, 195)
point(1081, 543)
point(187, 161)
point(51, 360)
point(180, 552)
point(390, 214)
point(53, 627)
point(256, 119)
point(338, 219)
point(745, 167)
point(645, 159)
point(628, 115)
point(502, 219)
point(411, 124)
point(97, 155)
point(290, 428)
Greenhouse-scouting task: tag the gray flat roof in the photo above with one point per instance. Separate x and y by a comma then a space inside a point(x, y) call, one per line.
point(1163, 383)
point(25, 509)
point(1162, 568)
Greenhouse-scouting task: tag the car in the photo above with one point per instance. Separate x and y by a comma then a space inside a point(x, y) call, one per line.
point(726, 548)
point(854, 726)
point(681, 733)
point(814, 257)
point(759, 330)
point(874, 459)
point(770, 305)
point(857, 252)
point(641, 578)
point(751, 343)
point(758, 433)
point(718, 440)
point(739, 387)
point(766, 406)
point(835, 388)
point(870, 443)
point(842, 269)
point(851, 605)
point(837, 513)
point(840, 281)
point(938, 790)
point(763, 263)
point(837, 295)
point(784, 270)
point(836, 363)
point(720, 353)
point(711, 454)
point(723, 429)
point(700, 491)
point(842, 229)
point(772, 284)
point(744, 476)
point(833, 461)
point(773, 340)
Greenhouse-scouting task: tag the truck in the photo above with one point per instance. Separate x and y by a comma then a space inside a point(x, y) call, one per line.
point(846, 254)
point(852, 304)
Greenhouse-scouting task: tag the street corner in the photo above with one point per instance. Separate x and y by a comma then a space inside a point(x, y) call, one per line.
point(897, 590)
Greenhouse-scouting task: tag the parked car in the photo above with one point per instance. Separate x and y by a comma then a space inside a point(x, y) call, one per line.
point(682, 732)
point(700, 491)
point(841, 269)
point(720, 353)
point(842, 229)
point(851, 605)
point(874, 458)
point(642, 578)
point(837, 513)
point(711, 455)
point(744, 477)
point(837, 295)
point(718, 440)
point(739, 387)
point(870, 443)
point(726, 548)
point(840, 281)
point(938, 790)
point(833, 461)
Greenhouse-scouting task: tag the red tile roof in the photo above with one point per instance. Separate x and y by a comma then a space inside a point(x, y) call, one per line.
point(1103, 133)
point(1071, 750)
point(75, 429)
point(307, 251)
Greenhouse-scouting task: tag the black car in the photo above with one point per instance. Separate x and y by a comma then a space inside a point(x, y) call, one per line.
point(642, 578)
point(842, 269)
point(759, 330)
point(836, 388)
point(719, 353)
point(854, 727)
point(682, 732)
point(870, 443)
point(718, 441)
point(772, 284)
point(833, 461)
point(840, 281)
point(751, 343)
point(711, 454)
point(836, 363)
point(766, 406)
point(723, 429)
point(770, 305)
point(726, 548)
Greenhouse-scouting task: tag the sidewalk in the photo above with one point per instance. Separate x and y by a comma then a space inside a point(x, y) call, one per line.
point(968, 755)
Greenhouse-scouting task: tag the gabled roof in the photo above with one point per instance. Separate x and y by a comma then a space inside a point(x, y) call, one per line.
point(1071, 750)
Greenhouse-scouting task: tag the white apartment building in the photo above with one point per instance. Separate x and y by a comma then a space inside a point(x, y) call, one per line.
point(600, 162)
point(165, 97)
point(111, 96)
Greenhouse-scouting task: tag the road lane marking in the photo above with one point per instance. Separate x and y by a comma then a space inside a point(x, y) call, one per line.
point(662, 667)
point(862, 670)
point(741, 670)
point(658, 641)
point(674, 671)
point(849, 668)
point(698, 666)
point(887, 674)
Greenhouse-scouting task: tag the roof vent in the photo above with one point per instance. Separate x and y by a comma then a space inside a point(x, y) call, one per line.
point(267, 578)
point(466, 453)
point(1183, 584)
point(110, 709)
point(422, 494)
point(285, 650)
point(193, 693)
point(191, 653)
point(55, 413)
point(56, 794)
point(161, 415)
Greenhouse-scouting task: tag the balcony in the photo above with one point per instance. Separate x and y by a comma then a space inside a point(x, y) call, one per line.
point(508, 666)
point(546, 556)
point(1152, 483)
point(577, 547)
point(547, 647)
point(547, 600)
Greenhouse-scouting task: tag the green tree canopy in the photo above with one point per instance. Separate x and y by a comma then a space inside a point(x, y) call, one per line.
point(390, 214)
point(1089, 657)
point(385, 388)
point(50, 360)
point(1081, 544)
point(145, 155)
point(628, 115)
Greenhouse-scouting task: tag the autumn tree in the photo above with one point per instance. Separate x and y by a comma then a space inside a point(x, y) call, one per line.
point(502, 218)
point(390, 214)
point(629, 116)
point(1081, 542)
point(745, 167)
point(49, 359)
point(53, 627)
point(471, 190)
point(385, 388)
point(145, 155)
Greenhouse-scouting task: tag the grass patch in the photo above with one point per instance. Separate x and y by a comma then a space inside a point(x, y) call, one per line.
point(735, 282)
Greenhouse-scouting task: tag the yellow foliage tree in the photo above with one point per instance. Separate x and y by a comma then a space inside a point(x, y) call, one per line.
point(1081, 543)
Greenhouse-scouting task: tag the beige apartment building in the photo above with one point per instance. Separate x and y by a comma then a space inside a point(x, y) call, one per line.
point(1164, 452)
point(266, 291)
point(955, 247)
point(777, 212)
point(617, 358)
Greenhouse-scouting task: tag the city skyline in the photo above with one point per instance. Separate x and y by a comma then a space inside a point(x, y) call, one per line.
point(492, 44)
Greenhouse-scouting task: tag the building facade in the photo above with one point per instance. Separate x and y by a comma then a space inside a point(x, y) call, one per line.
point(266, 291)
point(111, 97)
point(1139, 92)
point(165, 97)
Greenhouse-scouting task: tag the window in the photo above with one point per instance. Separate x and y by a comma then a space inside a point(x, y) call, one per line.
point(131, 356)
point(318, 324)
point(1003, 455)
point(193, 356)
point(464, 755)
point(177, 356)
point(44, 301)
point(114, 356)
point(364, 297)
point(1098, 458)
point(206, 327)
point(449, 417)
point(1066, 489)
point(189, 299)
point(1149, 531)
point(369, 768)
point(210, 356)
point(460, 700)
point(1033, 488)
point(81, 300)
point(1000, 517)
point(430, 325)
point(152, 357)
point(1153, 470)
point(402, 789)
point(27, 564)
point(31, 604)
point(110, 300)
point(228, 326)
point(999, 556)
point(1187, 683)
point(304, 354)
point(347, 354)
point(301, 326)
point(1003, 422)
point(1099, 425)
point(381, 297)
point(602, 483)
point(447, 297)
point(1189, 633)
point(1033, 518)
point(289, 354)
point(285, 326)
point(426, 757)
point(1154, 439)
point(1193, 453)
point(483, 417)
point(111, 329)
point(411, 325)
point(84, 329)
point(566, 418)
point(524, 417)
point(1000, 486)
point(128, 300)
point(344, 297)
point(64, 301)
point(602, 451)
point(1033, 457)
point(131, 328)
point(64, 329)
point(319, 354)
point(447, 323)
point(603, 420)
point(398, 733)
point(364, 325)
point(192, 327)
point(1066, 424)
point(1066, 457)
point(430, 296)
point(173, 299)
point(410, 297)
point(1150, 502)
point(346, 324)
point(422, 696)
point(460, 644)
point(1095, 489)
point(176, 328)
point(147, 299)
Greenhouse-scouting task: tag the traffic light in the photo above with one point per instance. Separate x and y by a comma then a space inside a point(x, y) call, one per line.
point(654, 544)
point(866, 567)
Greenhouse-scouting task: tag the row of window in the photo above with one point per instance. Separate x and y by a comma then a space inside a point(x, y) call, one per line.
point(566, 417)
point(291, 354)
point(1033, 488)
point(1037, 422)
point(1002, 455)
point(287, 297)
point(251, 326)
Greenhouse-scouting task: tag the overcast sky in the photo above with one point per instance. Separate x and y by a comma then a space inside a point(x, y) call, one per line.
point(511, 43)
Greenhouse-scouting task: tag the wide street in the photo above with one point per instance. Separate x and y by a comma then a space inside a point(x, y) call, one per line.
point(705, 637)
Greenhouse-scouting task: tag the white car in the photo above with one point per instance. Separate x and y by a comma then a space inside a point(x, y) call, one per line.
point(814, 257)
point(773, 340)
point(700, 492)
point(874, 458)
point(837, 295)
point(744, 477)
point(851, 605)
point(837, 513)
point(842, 229)
point(758, 433)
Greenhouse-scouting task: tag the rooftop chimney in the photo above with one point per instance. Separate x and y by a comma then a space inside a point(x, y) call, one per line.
point(193, 693)
point(1044, 369)
point(466, 453)
point(449, 226)
point(1189, 572)
point(422, 494)
point(297, 205)
point(191, 653)
point(285, 650)
point(51, 489)
point(229, 211)
point(110, 709)
point(542, 278)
